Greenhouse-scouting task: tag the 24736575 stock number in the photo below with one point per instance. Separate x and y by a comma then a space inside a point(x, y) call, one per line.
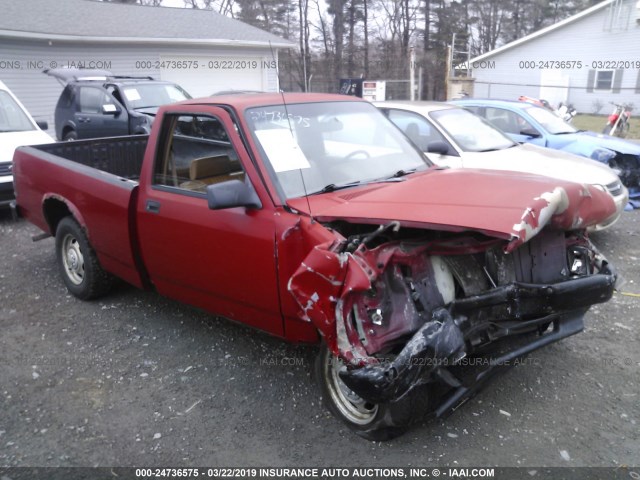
point(578, 64)
point(226, 64)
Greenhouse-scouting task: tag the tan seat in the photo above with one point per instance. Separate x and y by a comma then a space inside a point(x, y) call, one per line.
point(209, 167)
point(208, 170)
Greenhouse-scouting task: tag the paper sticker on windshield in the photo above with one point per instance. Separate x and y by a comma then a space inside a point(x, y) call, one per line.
point(282, 150)
point(174, 94)
point(132, 94)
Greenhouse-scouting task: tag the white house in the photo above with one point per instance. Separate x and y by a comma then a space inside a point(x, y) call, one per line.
point(201, 50)
point(589, 60)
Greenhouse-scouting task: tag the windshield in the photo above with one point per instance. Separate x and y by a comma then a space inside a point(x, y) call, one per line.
point(312, 146)
point(470, 132)
point(146, 95)
point(12, 117)
point(552, 123)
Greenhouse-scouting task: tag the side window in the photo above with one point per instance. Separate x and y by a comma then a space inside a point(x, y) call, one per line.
point(417, 128)
point(92, 99)
point(475, 110)
point(113, 91)
point(508, 122)
point(196, 153)
point(65, 98)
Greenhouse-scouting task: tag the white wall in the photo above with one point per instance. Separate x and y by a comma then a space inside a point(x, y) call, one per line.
point(586, 41)
point(22, 62)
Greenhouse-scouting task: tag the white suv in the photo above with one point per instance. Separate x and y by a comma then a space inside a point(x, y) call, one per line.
point(17, 128)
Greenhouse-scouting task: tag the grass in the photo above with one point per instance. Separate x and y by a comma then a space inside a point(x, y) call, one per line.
point(596, 123)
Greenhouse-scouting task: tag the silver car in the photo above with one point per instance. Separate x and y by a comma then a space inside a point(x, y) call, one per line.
point(451, 136)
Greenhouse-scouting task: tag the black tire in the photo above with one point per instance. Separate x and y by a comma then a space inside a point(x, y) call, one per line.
point(375, 422)
point(78, 263)
point(607, 129)
point(70, 136)
point(624, 131)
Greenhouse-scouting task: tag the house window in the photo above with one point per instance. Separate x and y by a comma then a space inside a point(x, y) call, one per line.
point(604, 80)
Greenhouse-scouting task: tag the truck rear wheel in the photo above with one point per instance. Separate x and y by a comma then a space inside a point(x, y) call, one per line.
point(375, 422)
point(78, 263)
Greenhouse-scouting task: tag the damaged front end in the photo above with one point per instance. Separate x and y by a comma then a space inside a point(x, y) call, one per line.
point(404, 307)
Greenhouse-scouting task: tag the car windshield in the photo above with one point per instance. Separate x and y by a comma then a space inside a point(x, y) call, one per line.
point(551, 122)
point(315, 147)
point(12, 117)
point(146, 95)
point(470, 132)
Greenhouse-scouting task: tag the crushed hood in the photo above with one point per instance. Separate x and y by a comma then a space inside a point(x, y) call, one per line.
point(508, 205)
point(585, 142)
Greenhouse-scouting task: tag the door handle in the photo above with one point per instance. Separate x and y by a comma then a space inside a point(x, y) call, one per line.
point(152, 206)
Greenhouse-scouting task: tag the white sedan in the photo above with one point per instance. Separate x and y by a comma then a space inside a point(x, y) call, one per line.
point(17, 128)
point(451, 136)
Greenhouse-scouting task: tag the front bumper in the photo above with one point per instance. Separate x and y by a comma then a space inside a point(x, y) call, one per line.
point(443, 342)
point(621, 202)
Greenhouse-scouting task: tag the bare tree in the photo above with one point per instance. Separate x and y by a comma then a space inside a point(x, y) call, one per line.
point(336, 10)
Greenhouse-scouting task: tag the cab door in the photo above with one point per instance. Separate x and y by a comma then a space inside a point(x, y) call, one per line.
point(98, 115)
point(220, 260)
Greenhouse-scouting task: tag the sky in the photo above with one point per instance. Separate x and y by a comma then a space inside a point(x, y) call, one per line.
point(172, 3)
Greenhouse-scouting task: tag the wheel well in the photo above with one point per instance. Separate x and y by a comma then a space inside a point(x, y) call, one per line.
point(66, 130)
point(55, 210)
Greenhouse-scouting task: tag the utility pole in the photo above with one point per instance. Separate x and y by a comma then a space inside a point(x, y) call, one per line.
point(412, 73)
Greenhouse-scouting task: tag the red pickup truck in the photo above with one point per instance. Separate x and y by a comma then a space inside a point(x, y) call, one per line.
point(313, 218)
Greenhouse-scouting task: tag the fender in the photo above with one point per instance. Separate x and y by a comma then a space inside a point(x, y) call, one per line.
point(72, 208)
point(68, 124)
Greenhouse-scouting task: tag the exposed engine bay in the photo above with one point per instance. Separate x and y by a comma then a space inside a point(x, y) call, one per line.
point(399, 306)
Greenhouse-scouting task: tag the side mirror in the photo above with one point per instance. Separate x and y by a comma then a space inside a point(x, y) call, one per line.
point(42, 124)
point(530, 132)
point(231, 194)
point(438, 146)
point(110, 109)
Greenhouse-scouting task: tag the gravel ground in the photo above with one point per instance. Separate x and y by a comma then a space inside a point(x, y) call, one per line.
point(139, 380)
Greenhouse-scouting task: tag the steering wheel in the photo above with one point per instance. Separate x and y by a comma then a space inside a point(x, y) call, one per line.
point(357, 152)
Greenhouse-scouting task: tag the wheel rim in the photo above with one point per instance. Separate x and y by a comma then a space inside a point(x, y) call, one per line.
point(72, 259)
point(351, 406)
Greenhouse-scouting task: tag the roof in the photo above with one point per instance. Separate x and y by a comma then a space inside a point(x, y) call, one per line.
point(544, 31)
point(492, 102)
point(248, 100)
point(91, 20)
point(418, 107)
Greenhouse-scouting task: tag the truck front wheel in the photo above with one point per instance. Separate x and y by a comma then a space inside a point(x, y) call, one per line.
point(376, 422)
point(78, 263)
point(70, 136)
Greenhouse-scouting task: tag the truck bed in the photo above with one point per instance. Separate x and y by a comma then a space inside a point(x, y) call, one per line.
point(96, 180)
point(120, 156)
